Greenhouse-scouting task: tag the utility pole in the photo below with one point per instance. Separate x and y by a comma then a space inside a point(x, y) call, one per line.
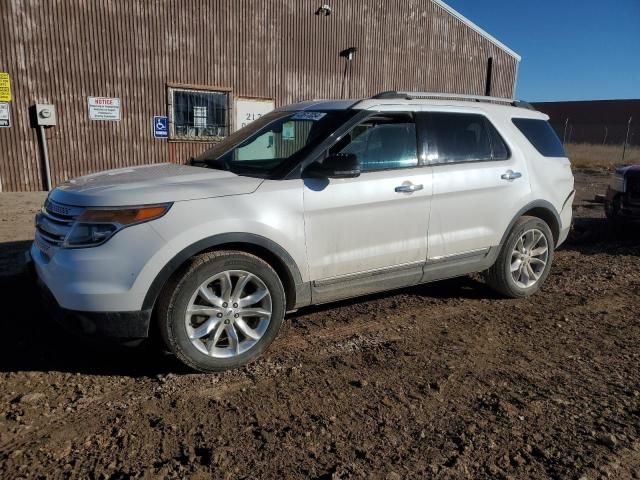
point(564, 135)
point(626, 139)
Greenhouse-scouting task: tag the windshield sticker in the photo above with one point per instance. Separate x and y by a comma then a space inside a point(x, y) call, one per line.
point(288, 131)
point(313, 116)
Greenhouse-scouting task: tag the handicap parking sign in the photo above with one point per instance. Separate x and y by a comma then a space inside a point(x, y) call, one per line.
point(160, 127)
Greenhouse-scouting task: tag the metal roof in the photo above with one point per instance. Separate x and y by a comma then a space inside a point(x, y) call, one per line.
point(475, 27)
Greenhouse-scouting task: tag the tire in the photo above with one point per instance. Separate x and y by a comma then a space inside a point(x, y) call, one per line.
point(500, 276)
point(206, 342)
point(612, 210)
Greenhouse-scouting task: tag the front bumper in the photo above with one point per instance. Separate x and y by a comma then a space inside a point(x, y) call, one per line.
point(123, 325)
point(622, 205)
point(114, 277)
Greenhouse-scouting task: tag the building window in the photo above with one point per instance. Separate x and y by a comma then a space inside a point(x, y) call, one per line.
point(198, 114)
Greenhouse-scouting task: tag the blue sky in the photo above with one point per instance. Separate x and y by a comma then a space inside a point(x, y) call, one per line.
point(571, 49)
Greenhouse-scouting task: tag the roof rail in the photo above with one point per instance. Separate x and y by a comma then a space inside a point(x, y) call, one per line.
point(393, 94)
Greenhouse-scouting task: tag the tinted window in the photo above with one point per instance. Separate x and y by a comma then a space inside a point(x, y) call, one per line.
point(541, 135)
point(499, 149)
point(382, 142)
point(465, 137)
point(272, 144)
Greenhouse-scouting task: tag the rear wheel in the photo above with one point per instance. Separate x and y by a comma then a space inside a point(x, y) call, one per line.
point(222, 311)
point(525, 259)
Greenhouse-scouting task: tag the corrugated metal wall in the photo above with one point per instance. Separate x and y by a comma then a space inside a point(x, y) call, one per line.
point(62, 51)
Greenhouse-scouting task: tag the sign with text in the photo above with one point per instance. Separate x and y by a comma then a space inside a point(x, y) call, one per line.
point(5, 115)
point(5, 87)
point(250, 109)
point(160, 127)
point(104, 108)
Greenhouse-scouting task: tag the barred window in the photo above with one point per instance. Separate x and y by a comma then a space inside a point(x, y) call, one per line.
point(197, 114)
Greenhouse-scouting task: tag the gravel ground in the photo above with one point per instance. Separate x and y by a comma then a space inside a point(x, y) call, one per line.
point(437, 381)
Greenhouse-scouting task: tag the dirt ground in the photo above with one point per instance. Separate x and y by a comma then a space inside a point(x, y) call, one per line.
point(437, 381)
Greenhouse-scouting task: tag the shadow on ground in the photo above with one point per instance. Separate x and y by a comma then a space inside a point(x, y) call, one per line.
point(594, 235)
point(30, 340)
point(12, 257)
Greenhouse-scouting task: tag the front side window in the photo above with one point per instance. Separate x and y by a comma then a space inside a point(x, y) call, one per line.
point(541, 135)
point(198, 114)
point(463, 137)
point(273, 143)
point(382, 142)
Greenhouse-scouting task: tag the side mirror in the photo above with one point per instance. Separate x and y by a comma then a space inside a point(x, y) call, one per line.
point(339, 165)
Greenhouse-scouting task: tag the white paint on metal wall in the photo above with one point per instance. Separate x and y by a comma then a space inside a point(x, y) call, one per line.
point(5, 115)
point(250, 109)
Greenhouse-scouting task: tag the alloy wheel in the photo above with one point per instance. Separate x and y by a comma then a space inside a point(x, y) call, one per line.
point(228, 313)
point(529, 258)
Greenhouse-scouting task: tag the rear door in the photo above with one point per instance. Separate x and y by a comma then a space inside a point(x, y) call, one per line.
point(479, 184)
point(378, 220)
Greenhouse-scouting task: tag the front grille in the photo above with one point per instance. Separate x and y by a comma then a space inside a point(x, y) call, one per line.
point(54, 222)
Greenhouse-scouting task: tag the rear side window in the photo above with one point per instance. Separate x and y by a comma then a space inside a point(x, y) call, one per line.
point(462, 137)
point(541, 135)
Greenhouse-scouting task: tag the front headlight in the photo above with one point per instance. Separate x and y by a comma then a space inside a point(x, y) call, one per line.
point(617, 182)
point(96, 225)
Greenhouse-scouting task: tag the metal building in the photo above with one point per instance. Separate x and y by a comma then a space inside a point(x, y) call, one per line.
point(110, 67)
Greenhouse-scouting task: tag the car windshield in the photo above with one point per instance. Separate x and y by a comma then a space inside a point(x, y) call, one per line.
point(273, 143)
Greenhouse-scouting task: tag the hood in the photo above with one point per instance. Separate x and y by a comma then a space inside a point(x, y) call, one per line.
point(158, 183)
point(623, 169)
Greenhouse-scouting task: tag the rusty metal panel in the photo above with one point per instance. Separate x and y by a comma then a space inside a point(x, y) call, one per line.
point(63, 51)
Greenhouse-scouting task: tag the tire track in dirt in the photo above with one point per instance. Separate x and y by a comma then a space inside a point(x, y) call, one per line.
point(66, 420)
point(461, 338)
point(320, 343)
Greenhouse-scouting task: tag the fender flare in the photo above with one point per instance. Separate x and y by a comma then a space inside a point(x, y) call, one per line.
point(530, 206)
point(214, 241)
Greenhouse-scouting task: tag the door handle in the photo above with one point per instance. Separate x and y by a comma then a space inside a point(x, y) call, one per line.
point(408, 188)
point(510, 175)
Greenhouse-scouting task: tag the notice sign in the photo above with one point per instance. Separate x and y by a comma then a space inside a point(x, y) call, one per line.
point(5, 87)
point(104, 108)
point(5, 115)
point(250, 109)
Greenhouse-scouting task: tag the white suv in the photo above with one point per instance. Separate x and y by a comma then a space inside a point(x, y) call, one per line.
point(313, 202)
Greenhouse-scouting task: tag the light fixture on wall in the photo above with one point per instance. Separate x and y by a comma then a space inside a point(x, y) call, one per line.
point(348, 53)
point(324, 10)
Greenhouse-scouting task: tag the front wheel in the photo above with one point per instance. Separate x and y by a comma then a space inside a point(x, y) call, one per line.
point(525, 259)
point(222, 310)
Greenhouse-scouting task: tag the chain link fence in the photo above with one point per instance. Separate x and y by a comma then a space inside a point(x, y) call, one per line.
point(618, 142)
